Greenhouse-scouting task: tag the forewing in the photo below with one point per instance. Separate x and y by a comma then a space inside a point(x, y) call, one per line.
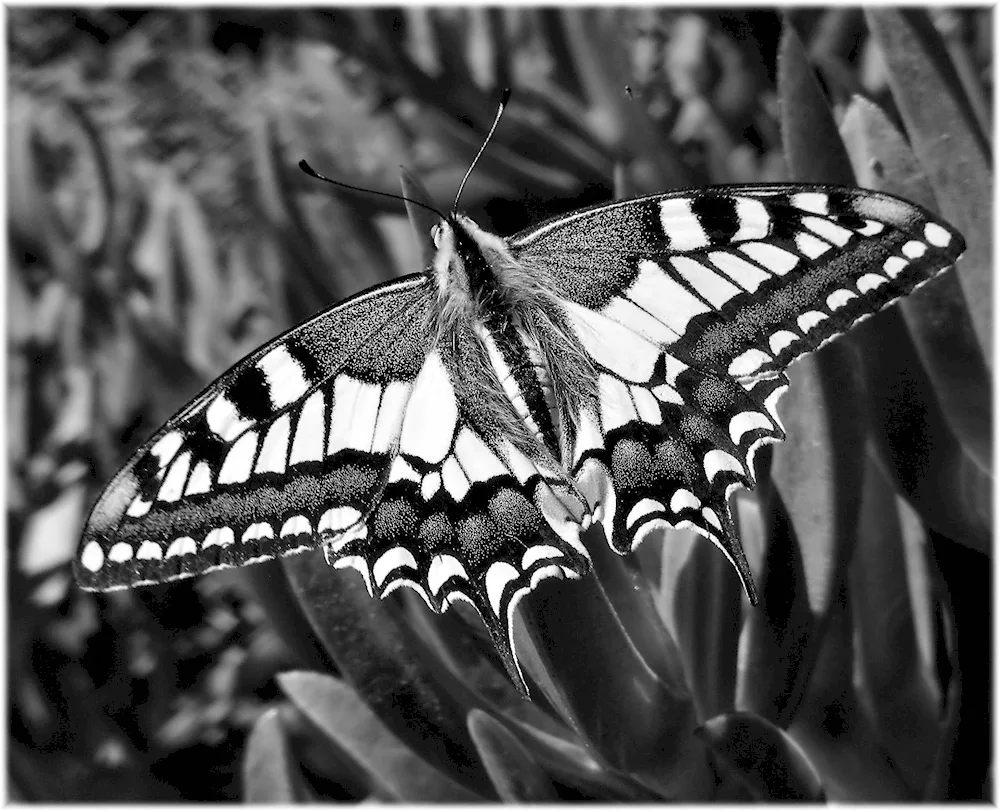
point(741, 280)
point(290, 446)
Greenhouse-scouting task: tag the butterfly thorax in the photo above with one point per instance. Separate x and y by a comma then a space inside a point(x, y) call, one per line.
point(503, 326)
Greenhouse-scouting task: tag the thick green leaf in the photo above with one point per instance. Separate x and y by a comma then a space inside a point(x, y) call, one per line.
point(835, 733)
point(948, 144)
point(270, 773)
point(408, 687)
point(809, 517)
point(771, 765)
point(936, 315)
point(341, 714)
point(945, 484)
point(896, 687)
point(516, 775)
point(590, 671)
point(812, 145)
point(707, 610)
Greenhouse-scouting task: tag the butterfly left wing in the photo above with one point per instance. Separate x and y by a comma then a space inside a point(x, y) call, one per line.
point(691, 305)
point(291, 446)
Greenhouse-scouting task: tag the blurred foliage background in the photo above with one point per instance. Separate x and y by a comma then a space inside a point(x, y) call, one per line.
point(158, 229)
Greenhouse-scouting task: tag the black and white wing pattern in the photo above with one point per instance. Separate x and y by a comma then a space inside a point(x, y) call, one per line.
point(691, 305)
point(351, 433)
point(291, 445)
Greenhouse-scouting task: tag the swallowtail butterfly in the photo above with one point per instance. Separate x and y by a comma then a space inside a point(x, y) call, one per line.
point(456, 430)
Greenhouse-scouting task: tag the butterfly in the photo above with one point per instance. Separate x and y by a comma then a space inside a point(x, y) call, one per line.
point(455, 431)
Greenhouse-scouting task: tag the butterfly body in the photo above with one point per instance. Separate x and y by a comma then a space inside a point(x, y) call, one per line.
point(456, 431)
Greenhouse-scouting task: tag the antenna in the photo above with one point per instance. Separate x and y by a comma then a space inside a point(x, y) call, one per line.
point(305, 167)
point(504, 98)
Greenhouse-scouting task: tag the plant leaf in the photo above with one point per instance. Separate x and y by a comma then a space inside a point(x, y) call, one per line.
point(269, 773)
point(516, 775)
point(767, 761)
point(411, 690)
point(341, 714)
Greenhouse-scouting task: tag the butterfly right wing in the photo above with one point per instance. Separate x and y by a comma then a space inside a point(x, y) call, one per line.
point(291, 445)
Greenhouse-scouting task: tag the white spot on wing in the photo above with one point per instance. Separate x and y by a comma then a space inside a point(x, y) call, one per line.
point(393, 559)
point(120, 552)
point(182, 546)
point(710, 285)
point(222, 536)
point(746, 421)
point(497, 578)
point(753, 217)
point(747, 276)
point(684, 500)
point(355, 409)
point(830, 231)
point(533, 554)
point(92, 557)
point(781, 340)
point(166, 446)
point(200, 481)
point(914, 249)
point(624, 311)
point(646, 405)
point(478, 460)
point(224, 420)
point(255, 532)
point(748, 363)
point(895, 265)
point(286, 381)
point(613, 346)
point(617, 407)
point(431, 413)
point(338, 519)
point(681, 225)
point(149, 551)
point(771, 404)
point(401, 469)
point(717, 460)
point(138, 507)
point(308, 443)
point(870, 281)
point(811, 246)
point(816, 202)
point(810, 319)
point(668, 394)
point(643, 507)
point(239, 460)
point(430, 485)
point(664, 298)
point(441, 569)
point(775, 259)
point(454, 479)
point(296, 525)
point(871, 228)
point(173, 482)
point(839, 298)
point(275, 447)
point(936, 235)
point(711, 517)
